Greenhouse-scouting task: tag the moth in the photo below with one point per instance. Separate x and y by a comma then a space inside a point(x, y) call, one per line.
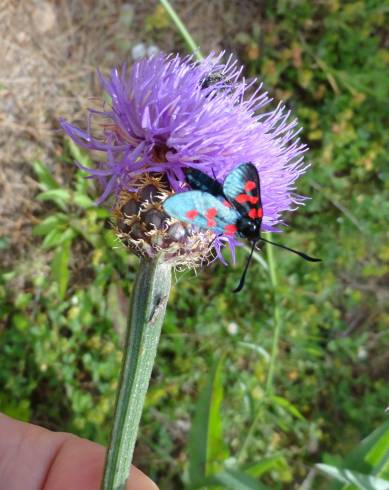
point(233, 209)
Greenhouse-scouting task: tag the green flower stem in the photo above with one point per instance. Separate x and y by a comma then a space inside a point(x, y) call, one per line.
point(277, 319)
point(182, 30)
point(148, 304)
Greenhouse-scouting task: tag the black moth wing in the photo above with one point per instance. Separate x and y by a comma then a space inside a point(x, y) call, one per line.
point(242, 189)
point(199, 181)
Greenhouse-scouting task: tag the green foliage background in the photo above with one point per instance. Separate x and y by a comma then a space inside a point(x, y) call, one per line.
point(60, 334)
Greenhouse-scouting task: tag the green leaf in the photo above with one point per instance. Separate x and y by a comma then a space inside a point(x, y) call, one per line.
point(236, 480)
point(52, 239)
point(360, 480)
point(78, 154)
point(370, 457)
point(56, 237)
point(60, 267)
point(48, 224)
point(21, 322)
point(378, 456)
point(83, 201)
point(59, 196)
point(46, 180)
point(206, 448)
point(288, 406)
point(265, 465)
point(372, 453)
point(102, 213)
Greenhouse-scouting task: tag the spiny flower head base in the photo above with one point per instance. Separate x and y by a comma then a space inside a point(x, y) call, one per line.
point(144, 227)
point(169, 113)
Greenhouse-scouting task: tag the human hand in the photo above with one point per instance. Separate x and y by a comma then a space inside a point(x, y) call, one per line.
point(33, 458)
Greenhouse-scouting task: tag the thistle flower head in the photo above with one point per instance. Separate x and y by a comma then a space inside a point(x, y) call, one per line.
point(169, 113)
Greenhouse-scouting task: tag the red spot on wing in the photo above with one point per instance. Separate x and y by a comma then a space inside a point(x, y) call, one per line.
point(230, 229)
point(250, 185)
point(227, 204)
point(242, 198)
point(255, 213)
point(210, 215)
point(192, 214)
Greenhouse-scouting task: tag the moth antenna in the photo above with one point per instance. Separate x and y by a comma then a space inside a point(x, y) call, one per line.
point(302, 255)
point(242, 279)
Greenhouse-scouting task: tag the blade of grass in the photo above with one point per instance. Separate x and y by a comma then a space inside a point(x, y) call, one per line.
point(182, 29)
point(236, 480)
point(359, 480)
point(277, 319)
point(250, 434)
point(60, 267)
point(272, 267)
point(206, 448)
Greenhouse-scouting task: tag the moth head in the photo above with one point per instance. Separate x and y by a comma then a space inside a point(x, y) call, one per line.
point(249, 228)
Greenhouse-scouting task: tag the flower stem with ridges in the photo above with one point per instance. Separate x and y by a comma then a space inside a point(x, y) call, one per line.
point(148, 304)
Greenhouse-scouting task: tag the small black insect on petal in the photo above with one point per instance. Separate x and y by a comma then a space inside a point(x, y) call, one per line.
point(211, 79)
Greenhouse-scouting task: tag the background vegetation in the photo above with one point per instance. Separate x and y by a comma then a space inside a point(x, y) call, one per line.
point(63, 298)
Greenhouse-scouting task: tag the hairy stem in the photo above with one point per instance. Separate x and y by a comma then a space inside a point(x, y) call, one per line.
point(148, 304)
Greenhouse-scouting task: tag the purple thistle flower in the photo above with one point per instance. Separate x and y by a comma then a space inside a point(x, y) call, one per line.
point(163, 118)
